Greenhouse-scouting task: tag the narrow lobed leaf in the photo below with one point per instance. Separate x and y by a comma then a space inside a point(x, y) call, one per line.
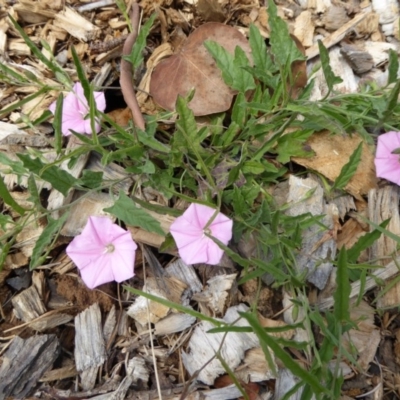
point(126, 210)
point(330, 78)
point(349, 169)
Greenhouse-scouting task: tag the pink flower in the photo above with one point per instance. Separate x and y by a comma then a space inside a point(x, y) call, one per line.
point(103, 252)
point(388, 164)
point(76, 109)
point(190, 229)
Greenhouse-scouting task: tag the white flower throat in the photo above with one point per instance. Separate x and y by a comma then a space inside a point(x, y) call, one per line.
point(109, 248)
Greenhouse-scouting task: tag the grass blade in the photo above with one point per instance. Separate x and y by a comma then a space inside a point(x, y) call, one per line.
point(342, 293)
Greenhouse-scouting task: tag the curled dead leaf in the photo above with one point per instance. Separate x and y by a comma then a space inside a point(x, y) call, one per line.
point(192, 67)
point(299, 71)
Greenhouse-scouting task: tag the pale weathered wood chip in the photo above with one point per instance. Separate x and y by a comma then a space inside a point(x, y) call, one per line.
point(25, 362)
point(90, 352)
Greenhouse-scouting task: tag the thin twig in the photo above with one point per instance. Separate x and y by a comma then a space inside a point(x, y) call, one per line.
point(126, 78)
point(102, 47)
point(94, 5)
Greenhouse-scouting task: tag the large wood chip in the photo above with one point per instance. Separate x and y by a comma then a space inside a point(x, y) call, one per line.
point(203, 345)
point(317, 245)
point(25, 362)
point(172, 323)
point(381, 207)
point(213, 299)
point(144, 310)
point(90, 352)
point(76, 25)
point(85, 206)
point(28, 305)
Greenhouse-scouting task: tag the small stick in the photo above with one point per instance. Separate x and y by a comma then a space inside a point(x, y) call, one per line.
point(94, 5)
point(336, 37)
point(102, 47)
point(126, 80)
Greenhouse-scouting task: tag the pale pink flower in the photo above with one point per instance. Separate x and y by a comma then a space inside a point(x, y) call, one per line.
point(190, 229)
point(387, 164)
point(76, 109)
point(103, 252)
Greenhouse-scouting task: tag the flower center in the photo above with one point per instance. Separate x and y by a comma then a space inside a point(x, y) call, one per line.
point(109, 248)
point(207, 231)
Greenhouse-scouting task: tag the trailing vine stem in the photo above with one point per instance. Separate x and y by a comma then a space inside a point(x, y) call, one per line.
point(126, 78)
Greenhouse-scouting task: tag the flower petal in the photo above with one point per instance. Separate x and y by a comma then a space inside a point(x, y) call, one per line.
point(52, 107)
point(97, 272)
point(193, 244)
point(89, 252)
point(75, 109)
point(387, 164)
point(387, 143)
point(195, 252)
point(221, 228)
point(100, 100)
point(81, 103)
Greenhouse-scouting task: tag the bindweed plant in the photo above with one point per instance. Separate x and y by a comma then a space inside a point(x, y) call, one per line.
point(230, 164)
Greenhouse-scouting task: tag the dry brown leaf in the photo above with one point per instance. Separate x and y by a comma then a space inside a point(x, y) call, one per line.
point(299, 71)
point(251, 388)
point(121, 116)
point(194, 68)
point(332, 152)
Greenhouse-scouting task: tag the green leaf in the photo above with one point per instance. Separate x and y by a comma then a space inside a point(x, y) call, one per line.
point(88, 92)
point(349, 169)
point(136, 56)
point(364, 242)
point(244, 81)
point(61, 180)
point(157, 208)
point(168, 245)
point(330, 77)
point(283, 47)
point(224, 61)
point(91, 179)
point(238, 202)
point(258, 48)
point(253, 167)
point(42, 118)
point(8, 199)
point(45, 239)
point(33, 191)
point(10, 74)
point(393, 66)
point(58, 123)
point(232, 67)
point(151, 142)
point(389, 234)
point(391, 102)
point(16, 167)
point(239, 111)
point(343, 289)
point(4, 250)
point(229, 135)
point(126, 210)
point(186, 125)
point(293, 145)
